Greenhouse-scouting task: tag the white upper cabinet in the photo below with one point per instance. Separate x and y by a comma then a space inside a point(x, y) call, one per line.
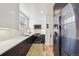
point(9, 15)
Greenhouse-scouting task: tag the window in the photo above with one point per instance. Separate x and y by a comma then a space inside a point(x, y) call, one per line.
point(23, 21)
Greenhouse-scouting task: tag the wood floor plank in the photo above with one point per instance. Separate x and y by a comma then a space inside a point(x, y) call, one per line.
point(40, 50)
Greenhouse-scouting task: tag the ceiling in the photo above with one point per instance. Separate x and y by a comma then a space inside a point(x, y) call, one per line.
point(37, 8)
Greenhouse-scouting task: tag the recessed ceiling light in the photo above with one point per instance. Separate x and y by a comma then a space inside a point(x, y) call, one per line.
point(42, 12)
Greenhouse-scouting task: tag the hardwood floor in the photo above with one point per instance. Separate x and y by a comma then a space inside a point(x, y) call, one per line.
point(40, 50)
point(35, 50)
point(48, 50)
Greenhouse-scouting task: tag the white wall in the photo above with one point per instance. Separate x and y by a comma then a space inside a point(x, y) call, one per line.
point(49, 20)
point(56, 19)
point(9, 15)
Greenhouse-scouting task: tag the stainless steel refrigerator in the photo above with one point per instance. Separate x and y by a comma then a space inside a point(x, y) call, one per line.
point(69, 30)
